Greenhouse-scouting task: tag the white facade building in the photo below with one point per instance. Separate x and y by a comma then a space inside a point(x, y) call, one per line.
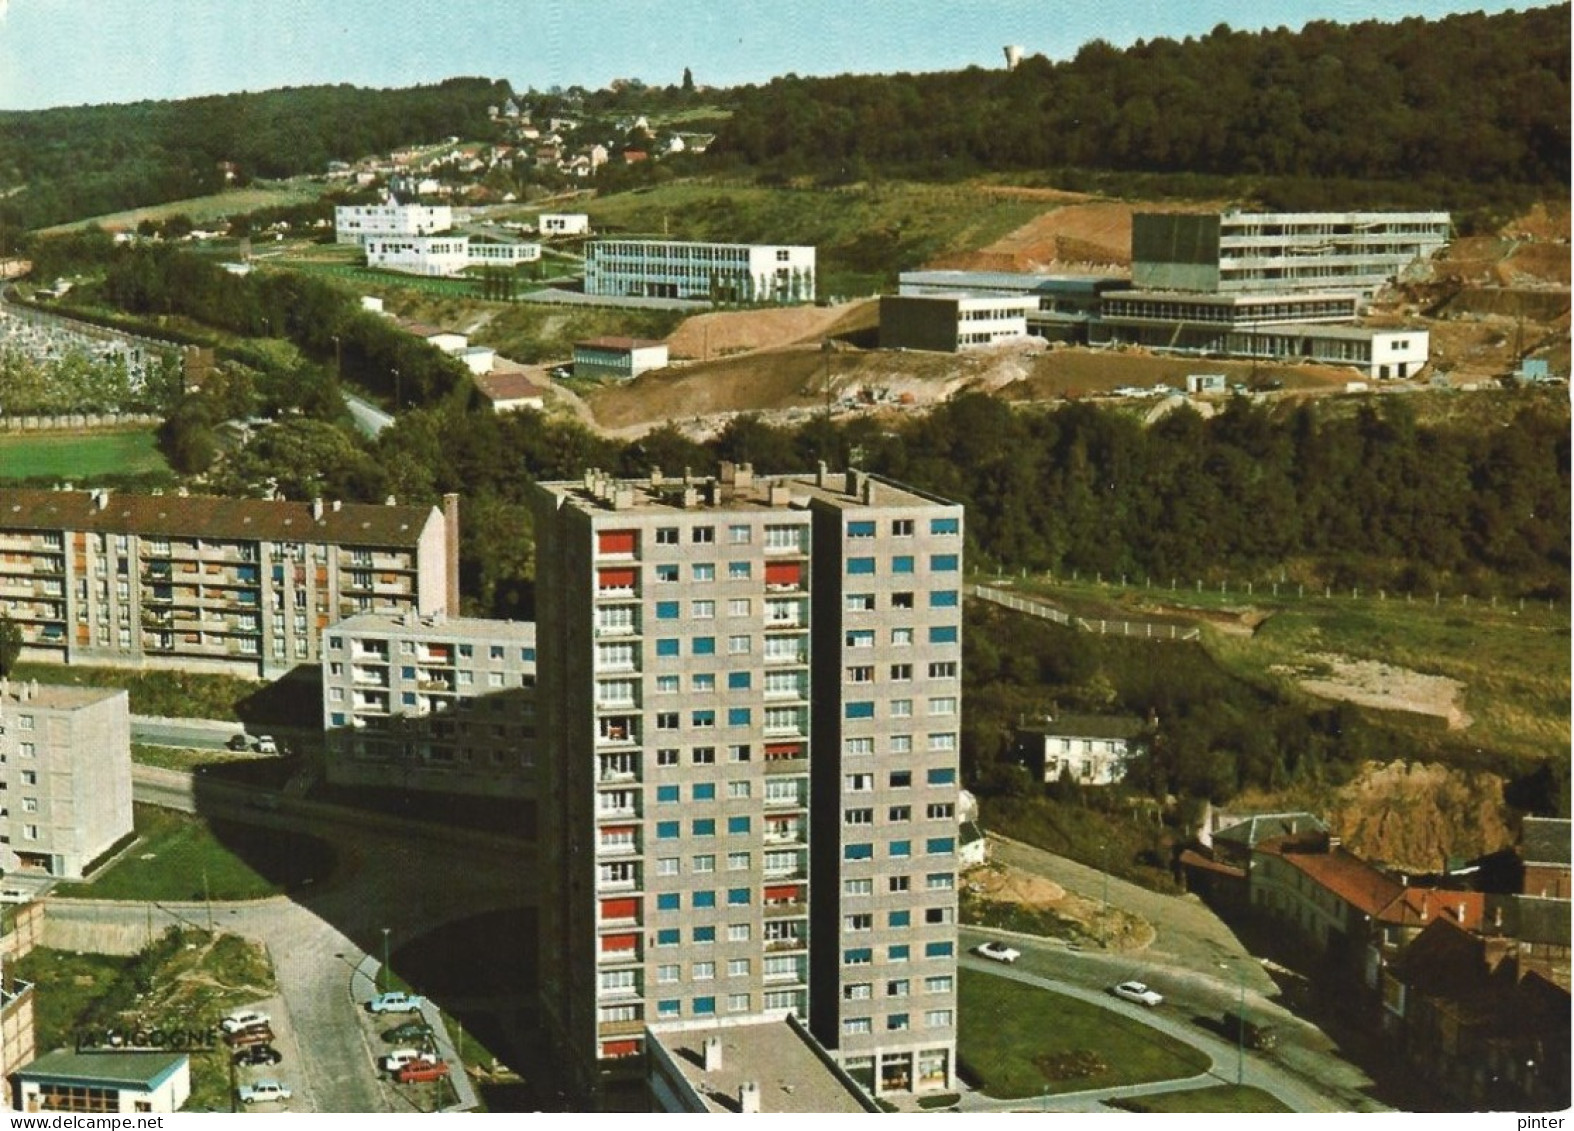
point(443, 255)
point(952, 322)
point(353, 223)
point(719, 272)
point(564, 224)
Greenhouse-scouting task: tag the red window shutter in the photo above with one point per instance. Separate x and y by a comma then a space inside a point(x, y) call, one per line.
point(617, 578)
point(782, 893)
point(613, 1050)
point(783, 573)
point(616, 541)
point(619, 908)
point(783, 750)
point(613, 943)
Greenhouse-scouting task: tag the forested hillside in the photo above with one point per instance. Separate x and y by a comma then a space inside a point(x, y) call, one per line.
point(89, 160)
point(1474, 100)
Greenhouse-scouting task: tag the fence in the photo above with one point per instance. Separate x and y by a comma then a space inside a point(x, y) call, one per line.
point(1135, 629)
point(76, 421)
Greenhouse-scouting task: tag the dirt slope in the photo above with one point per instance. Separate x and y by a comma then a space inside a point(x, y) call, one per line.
point(719, 333)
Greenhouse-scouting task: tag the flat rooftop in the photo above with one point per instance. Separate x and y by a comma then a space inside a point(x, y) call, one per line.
point(791, 1075)
point(736, 490)
point(429, 627)
point(1010, 280)
point(56, 696)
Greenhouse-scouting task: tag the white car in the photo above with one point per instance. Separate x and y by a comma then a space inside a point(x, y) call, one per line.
point(244, 1019)
point(397, 1059)
point(267, 744)
point(998, 952)
point(262, 1092)
point(1137, 992)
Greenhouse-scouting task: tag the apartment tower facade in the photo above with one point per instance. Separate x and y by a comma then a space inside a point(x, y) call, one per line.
point(753, 685)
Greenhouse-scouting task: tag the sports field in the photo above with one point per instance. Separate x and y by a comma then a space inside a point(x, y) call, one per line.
point(79, 455)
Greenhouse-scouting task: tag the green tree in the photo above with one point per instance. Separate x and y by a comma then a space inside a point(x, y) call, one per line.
point(10, 644)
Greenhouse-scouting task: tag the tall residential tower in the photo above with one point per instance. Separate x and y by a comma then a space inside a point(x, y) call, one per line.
point(753, 688)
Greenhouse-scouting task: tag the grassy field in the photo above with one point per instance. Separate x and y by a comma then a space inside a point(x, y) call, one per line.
point(204, 208)
point(1221, 1098)
point(169, 694)
point(181, 857)
point(1512, 658)
point(79, 456)
point(865, 234)
point(1018, 1041)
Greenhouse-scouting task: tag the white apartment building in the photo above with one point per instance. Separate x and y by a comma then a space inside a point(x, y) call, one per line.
point(563, 224)
point(1280, 251)
point(65, 766)
point(431, 703)
point(719, 272)
point(354, 223)
point(754, 687)
point(443, 255)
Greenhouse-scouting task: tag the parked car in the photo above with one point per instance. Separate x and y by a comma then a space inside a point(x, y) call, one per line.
point(267, 744)
point(410, 1031)
point(263, 1091)
point(395, 1002)
point(397, 1059)
point(421, 1070)
point(251, 1035)
point(998, 952)
point(15, 895)
point(1137, 992)
point(253, 1055)
point(238, 742)
point(244, 1019)
point(1248, 1032)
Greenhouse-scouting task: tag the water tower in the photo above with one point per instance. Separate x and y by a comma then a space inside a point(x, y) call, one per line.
point(1013, 56)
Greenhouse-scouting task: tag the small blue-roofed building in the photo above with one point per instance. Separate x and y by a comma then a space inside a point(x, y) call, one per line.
point(126, 1083)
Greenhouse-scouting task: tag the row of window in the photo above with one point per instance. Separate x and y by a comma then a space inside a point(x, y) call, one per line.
point(933, 881)
point(377, 650)
point(779, 863)
point(899, 987)
point(701, 900)
point(775, 930)
point(897, 849)
point(705, 1006)
point(701, 826)
point(902, 637)
point(902, 527)
point(785, 789)
point(896, 814)
point(900, 708)
point(864, 920)
point(897, 952)
point(904, 563)
point(899, 1022)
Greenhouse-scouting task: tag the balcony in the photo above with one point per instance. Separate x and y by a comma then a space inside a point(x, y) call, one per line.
point(620, 1028)
point(786, 910)
point(792, 942)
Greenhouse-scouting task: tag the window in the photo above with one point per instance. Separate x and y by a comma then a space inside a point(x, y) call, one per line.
point(703, 899)
point(668, 901)
point(738, 753)
point(737, 1003)
point(739, 607)
point(738, 571)
point(704, 826)
point(859, 710)
point(667, 646)
point(704, 862)
point(902, 563)
point(941, 811)
point(738, 897)
point(858, 887)
point(702, 719)
point(738, 861)
point(739, 535)
point(938, 950)
point(943, 705)
point(862, 745)
point(704, 934)
point(860, 674)
point(943, 669)
point(666, 573)
point(858, 991)
point(668, 830)
point(901, 708)
point(666, 610)
point(853, 1026)
point(940, 881)
point(704, 646)
point(943, 599)
point(858, 956)
point(941, 775)
point(863, 921)
point(898, 884)
point(897, 987)
point(897, 813)
point(737, 645)
point(738, 932)
point(705, 791)
point(738, 716)
point(940, 845)
point(901, 848)
point(858, 817)
point(668, 972)
point(899, 919)
point(942, 563)
point(705, 681)
point(666, 795)
point(942, 634)
point(704, 610)
point(896, 1022)
point(901, 528)
point(859, 602)
point(860, 530)
point(944, 741)
point(705, 571)
point(857, 783)
point(704, 971)
point(667, 866)
point(939, 984)
point(898, 952)
point(901, 779)
point(937, 915)
point(737, 789)
point(901, 637)
point(945, 526)
point(860, 566)
point(666, 536)
point(737, 825)
point(704, 1006)
point(667, 720)
point(901, 744)
point(669, 1007)
point(938, 1018)
point(903, 600)
point(666, 685)
point(858, 852)
point(667, 757)
point(860, 638)
point(702, 534)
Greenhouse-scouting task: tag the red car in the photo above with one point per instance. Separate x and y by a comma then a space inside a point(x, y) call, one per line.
point(419, 1070)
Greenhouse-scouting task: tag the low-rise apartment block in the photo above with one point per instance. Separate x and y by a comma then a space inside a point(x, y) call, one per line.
point(65, 768)
point(231, 585)
point(444, 254)
point(431, 703)
point(620, 359)
point(355, 223)
point(718, 272)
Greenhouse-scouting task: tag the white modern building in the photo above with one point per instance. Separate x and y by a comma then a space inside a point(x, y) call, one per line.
point(952, 323)
point(443, 255)
point(1280, 251)
point(65, 767)
point(124, 1083)
point(353, 223)
point(621, 359)
point(563, 224)
point(719, 272)
point(1090, 749)
point(431, 703)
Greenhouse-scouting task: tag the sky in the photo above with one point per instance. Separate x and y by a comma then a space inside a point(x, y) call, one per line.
point(71, 52)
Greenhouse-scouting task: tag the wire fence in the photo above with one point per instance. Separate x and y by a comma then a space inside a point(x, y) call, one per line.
point(1135, 629)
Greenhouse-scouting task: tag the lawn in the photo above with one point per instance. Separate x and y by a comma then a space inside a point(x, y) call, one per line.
point(1512, 657)
point(201, 209)
point(1220, 1098)
point(181, 857)
point(1016, 1041)
point(79, 456)
point(294, 700)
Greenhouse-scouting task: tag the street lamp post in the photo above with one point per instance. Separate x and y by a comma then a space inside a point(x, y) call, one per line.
point(383, 971)
point(1104, 899)
point(1240, 1022)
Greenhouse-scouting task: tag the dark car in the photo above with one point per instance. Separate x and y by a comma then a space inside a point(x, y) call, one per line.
point(257, 1054)
point(260, 1034)
point(238, 742)
point(1252, 1034)
point(411, 1032)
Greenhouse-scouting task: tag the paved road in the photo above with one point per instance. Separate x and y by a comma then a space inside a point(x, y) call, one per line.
point(1254, 1071)
point(369, 419)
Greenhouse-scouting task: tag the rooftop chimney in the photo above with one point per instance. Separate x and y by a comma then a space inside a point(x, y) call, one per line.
point(451, 551)
point(710, 1054)
point(317, 509)
point(749, 1098)
point(819, 475)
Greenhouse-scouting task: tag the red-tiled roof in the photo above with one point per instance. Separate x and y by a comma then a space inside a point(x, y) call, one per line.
point(1338, 871)
point(1420, 906)
point(508, 385)
point(203, 516)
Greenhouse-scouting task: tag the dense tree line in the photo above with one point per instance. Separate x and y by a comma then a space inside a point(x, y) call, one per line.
point(80, 161)
point(1468, 99)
